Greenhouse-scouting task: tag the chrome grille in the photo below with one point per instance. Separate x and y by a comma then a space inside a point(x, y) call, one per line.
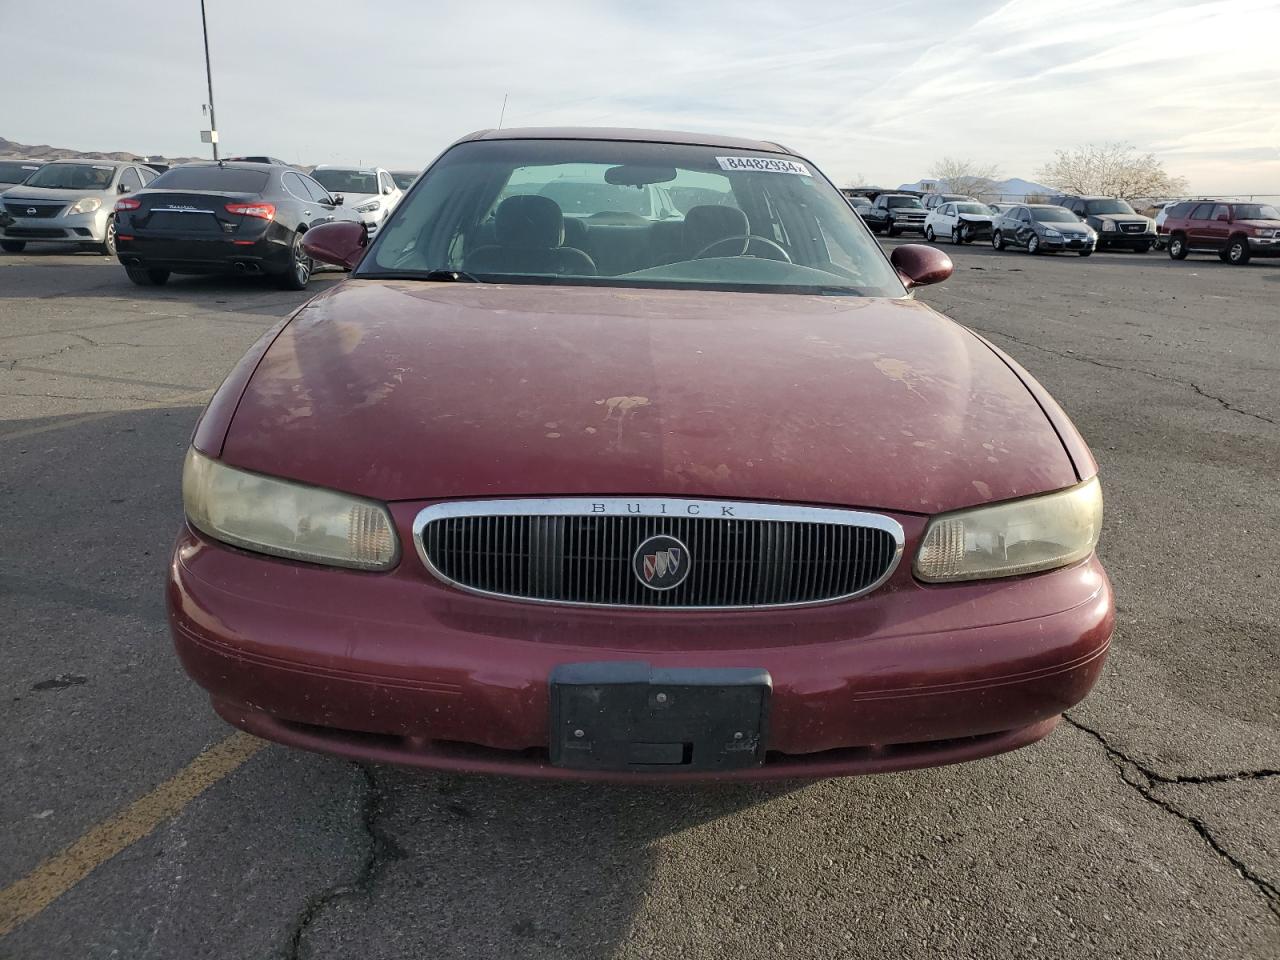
point(19, 208)
point(1133, 227)
point(580, 551)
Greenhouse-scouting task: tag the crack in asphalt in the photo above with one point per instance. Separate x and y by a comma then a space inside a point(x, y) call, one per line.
point(1226, 404)
point(1124, 764)
point(380, 848)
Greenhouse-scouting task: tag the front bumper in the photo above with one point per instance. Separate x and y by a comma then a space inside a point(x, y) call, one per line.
point(907, 226)
point(1264, 246)
point(1108, 240)
point(399, 667)
point(1067, 243)
point(73, 228)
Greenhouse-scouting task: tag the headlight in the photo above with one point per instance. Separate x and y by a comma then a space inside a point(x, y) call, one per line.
point(87, 205)
point(1266, 233)
point(1050, 232)
point(1108, 226)
point(286, 519)
point(1007, 539)
point(369, 206)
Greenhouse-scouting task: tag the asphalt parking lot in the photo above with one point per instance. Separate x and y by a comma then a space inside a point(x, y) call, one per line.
point(1148, 825)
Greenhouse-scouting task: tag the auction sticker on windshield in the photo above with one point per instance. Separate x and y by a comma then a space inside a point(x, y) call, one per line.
point(763, 165)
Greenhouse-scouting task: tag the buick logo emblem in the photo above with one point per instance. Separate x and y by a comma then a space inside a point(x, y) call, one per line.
point(661, 563)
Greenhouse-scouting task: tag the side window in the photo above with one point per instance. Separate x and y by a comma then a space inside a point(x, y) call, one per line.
point(1078, 208)
point(1024, 214)
point(1221, 212)
point(293, 183)
point(318, 193)
point(130, 179)
point(948, 209)
point(147, 175)
point(1202, 211)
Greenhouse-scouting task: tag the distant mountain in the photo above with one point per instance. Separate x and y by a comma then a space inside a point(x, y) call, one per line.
point(42, 151)
point(1012, 188)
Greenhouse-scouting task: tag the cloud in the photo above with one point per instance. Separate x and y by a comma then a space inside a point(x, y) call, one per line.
point(884, 91)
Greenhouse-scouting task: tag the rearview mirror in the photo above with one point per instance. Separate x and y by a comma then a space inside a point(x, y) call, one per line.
point(637, 175)
point(919, 265)
point(341, 243)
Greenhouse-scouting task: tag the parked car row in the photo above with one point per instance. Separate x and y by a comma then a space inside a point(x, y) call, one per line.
point(246, 215)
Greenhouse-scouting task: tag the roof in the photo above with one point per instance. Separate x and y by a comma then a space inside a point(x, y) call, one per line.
point(98, 161)
point(629, 134)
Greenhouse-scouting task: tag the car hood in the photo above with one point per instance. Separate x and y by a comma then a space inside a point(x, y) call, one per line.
point(976, 217)
point(1069, 229)
point(47, 193)
point(402, 390)
point(355, 199)
point(1119, 218)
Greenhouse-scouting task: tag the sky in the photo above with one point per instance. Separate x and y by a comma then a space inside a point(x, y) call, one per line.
point(870, 92)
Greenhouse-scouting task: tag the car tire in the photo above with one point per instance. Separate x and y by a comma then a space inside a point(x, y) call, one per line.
point(1033, 245)
point(145, 277)
point(13, 246)
point(297, 274)
point(108, 246)
point(997, 240)
point(1238, 251)
point(1086, 253)
point(892, 231)
point(929, 235)
point(1177, 247)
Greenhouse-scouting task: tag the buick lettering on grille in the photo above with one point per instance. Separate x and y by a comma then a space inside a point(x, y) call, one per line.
point(657, 552)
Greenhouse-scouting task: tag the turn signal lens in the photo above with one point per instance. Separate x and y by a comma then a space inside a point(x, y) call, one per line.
point(286, 519)
point(1008, 539)
point(263, 211)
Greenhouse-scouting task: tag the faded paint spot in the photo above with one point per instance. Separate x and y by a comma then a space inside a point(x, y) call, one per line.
point(551, 424)
point(982, 488)
point(901, 372)
point(621, 405)
point(553, 436)
point(590, 429)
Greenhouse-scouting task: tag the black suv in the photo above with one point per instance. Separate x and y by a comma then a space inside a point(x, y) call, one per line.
point(1116, 223)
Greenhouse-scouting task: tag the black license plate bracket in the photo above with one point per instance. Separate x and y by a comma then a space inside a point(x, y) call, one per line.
point(628, 715)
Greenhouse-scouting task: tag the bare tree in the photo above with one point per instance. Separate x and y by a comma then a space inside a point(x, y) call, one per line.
point(1111, 170)
point(964, 176)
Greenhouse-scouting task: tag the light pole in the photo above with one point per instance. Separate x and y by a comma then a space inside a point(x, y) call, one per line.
point(208, 72)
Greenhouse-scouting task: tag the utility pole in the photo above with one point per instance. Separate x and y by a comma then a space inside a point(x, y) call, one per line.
point(208, 72)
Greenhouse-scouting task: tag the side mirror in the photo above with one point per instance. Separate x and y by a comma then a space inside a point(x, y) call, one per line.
point(123, 188)
point(341, 243)
point(386, 191)
point(918, 265)
point(337, 199)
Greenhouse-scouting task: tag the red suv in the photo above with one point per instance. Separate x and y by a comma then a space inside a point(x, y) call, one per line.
point(1236, 232)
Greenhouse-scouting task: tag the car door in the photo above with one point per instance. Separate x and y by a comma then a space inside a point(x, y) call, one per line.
point(1025, 227)
point(322, 208)
point(1198, 225)
point(1218, 226)
point(946, 220)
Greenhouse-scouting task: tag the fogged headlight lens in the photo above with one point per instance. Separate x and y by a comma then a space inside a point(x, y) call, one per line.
point(286, 519)
point(87, 205)
point(1007, 539)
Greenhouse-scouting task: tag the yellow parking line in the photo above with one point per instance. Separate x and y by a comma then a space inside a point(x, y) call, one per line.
point(27, 897)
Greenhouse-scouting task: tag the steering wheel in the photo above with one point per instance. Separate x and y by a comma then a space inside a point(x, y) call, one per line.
point(748, 237)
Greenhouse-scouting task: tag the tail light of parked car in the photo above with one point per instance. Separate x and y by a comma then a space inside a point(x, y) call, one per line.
point(128, 203)
point(263, 211)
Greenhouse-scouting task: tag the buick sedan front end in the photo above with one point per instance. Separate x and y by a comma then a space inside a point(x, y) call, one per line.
point(618, 498)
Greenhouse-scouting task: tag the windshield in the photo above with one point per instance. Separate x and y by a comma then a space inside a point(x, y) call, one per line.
point(347, 181)
point(973, 208)
point(1256, 211)
point(225, 179)
point(1054, 215)
point(1093, 207)
point(904, 202)
point(15, 172)
point(73, 176)
point(596, 212)
point(404, 179)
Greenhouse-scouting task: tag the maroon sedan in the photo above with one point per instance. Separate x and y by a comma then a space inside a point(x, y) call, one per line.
point(630, 454)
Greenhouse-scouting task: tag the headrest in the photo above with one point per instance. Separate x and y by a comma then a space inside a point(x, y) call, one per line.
point(529, 221)
point(708, 223)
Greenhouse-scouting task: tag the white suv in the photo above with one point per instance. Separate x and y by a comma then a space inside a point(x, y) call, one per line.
point(369, 191)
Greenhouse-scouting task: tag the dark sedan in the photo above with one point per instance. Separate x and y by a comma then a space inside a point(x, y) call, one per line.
point(235, 218)
point(1043, 228)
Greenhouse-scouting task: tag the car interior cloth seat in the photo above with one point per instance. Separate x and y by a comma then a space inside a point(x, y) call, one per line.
point(529, 231)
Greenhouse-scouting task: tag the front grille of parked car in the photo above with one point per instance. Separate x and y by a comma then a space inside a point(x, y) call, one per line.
point(1133, 227)
point(581, 551)
point(34, 233)
point(21, 208)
